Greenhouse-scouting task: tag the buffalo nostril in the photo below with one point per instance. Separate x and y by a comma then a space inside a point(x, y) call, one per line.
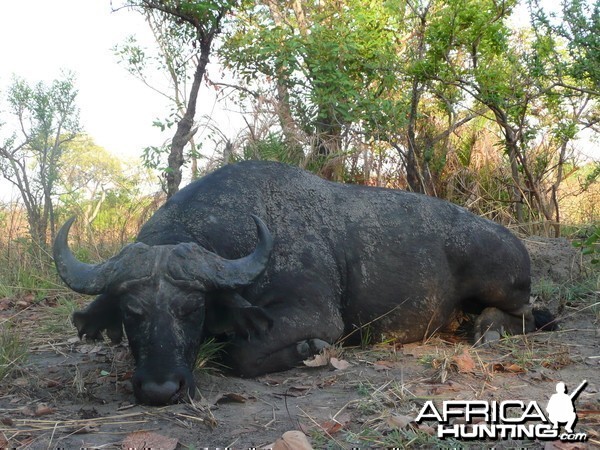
point(159, 393)
point(158, 389)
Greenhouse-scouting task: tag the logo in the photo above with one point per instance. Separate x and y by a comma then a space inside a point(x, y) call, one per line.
point(510, 419)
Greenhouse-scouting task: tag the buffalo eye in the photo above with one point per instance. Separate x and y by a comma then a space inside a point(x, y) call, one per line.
point(188, 308)
point(133, 310)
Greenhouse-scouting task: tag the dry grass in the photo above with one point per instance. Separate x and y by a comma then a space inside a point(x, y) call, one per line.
point(13, 350)
point(386, 414)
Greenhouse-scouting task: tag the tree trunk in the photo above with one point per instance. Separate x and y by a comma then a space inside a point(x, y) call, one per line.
point(414, 156)
point(185, 128)
point(517, 194)
point(555, 185)
point(414, 176)
point(328, 146)
point(512, 150)
point(291, 133)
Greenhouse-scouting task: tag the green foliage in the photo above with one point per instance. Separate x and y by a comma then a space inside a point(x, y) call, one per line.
point(272, 148)
point(577, 26)
point(358, 75)
point(209, 350)
point(46, 118)
point(103, 191)
point(592, 174)
point(184, 32)
point(88, 170)
point(339, 65)
point(590, 245)
point(580, 292)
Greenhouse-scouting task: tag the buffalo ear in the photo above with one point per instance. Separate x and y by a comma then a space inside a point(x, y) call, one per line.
point(102, 314)
point(251, 321)
point(229, 312)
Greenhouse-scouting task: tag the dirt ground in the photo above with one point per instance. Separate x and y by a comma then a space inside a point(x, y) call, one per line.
point(74, 394)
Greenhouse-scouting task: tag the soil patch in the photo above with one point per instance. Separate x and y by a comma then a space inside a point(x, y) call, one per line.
point(74, 394)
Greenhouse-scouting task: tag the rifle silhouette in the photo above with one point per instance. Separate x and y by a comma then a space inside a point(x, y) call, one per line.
point(577, 391)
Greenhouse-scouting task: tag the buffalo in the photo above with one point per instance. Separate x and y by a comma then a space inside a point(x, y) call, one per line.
point(278, 263)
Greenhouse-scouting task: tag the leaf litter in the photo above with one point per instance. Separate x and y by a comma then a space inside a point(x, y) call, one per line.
point(376, 390)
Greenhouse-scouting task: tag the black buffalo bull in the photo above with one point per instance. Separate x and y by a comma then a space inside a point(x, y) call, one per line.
point(279, 263)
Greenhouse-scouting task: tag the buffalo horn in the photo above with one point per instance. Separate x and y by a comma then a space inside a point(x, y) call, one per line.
point(198, 265)
point(241, 272)
point(81, 277)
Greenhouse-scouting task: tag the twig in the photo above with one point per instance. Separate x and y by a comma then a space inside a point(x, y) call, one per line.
point(125, 407)
point(52, 435)
point(187, 416)
point(268, 424)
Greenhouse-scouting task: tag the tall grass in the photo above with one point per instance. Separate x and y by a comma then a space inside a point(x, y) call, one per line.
point(13, 349)
point(28, 268)
point(25, 267)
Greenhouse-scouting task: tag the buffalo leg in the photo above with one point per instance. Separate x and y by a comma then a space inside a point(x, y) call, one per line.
point(305, 319)
point(305, 315)
point(492, 323)
point(503, 305)
point(102, 314)
point(252, 359)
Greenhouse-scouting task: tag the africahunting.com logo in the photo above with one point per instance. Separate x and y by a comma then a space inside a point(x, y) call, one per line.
point(510, 419)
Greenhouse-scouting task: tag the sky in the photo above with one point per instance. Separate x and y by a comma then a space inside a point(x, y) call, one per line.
point(40, 38)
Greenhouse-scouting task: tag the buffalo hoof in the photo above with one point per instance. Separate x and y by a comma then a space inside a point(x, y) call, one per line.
point(493, 323)
point(310, 347)
point(489, 337)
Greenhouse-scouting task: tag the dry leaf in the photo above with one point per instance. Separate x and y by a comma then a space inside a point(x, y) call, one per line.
point(319, 360)
point(21, 382)
point(464, 362)
point(42, 409)
point(331, 426)
point(306, 429)
point(26, 411)
point(297, 391)
point(383, 365)
point(89, 348)
point(427, 429)
point(399, 420)
point(53, 383)
point(7, 421)
point(513, 368)
point(339, 364)
point(270, 381)
point(148, 439)
point(5, 303)
point(291, 440)
point(415, 349)
point(231, 397)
